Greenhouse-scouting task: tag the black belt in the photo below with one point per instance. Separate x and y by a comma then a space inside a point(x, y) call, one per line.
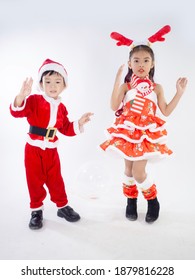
point(48, 133)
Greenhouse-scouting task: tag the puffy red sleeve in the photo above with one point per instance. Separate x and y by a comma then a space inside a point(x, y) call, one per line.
point(64, 125)
point(24, 110)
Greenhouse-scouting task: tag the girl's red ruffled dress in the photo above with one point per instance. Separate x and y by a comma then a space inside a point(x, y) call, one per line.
point(138, 133)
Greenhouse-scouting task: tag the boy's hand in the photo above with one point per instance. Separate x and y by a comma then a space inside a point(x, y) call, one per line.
point(26, 87)
point(24, 92)
point(85, 118)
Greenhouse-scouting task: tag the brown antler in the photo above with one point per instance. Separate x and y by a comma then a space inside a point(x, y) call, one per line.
point(158, 35)
point(122, 41)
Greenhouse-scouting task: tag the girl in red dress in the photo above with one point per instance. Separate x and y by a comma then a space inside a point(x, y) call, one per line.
point(138, 133)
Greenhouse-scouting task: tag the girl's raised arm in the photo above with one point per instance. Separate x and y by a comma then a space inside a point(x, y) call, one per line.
point(165, 108)
point(119, 90)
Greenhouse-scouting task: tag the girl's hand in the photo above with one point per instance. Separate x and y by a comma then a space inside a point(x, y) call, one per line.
point(24, 92)
point(85, 118)
point(181, 85)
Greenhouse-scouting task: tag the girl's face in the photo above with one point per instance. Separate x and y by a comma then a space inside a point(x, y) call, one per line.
point(141, 63)
point(53, 85)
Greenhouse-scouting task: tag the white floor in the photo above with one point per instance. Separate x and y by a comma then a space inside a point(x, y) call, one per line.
point(103, 232)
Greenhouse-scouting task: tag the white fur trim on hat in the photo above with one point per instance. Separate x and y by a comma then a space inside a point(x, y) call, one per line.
point(50, 65)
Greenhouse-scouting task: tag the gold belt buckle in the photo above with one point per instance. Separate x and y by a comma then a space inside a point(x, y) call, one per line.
point(49, 130)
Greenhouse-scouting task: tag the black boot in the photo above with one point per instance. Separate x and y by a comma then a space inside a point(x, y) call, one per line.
point(36, 221)
point(68, 213)
point(131, 209)
point(153, 210)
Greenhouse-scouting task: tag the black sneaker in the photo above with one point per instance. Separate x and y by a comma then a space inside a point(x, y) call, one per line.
point(68, 213)
point(36, 221)
point(153, 210)
point(131, 209)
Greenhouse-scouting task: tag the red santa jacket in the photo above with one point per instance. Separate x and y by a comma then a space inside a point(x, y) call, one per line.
point(43, 111)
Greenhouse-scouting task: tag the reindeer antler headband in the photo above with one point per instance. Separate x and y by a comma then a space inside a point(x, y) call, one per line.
point(158, 36)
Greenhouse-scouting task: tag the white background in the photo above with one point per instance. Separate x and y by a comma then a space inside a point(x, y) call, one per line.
point(76, 33)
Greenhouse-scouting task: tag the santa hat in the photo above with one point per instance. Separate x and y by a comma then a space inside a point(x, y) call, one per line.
point(50, 65)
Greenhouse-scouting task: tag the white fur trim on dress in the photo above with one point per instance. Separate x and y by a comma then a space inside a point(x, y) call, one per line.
point(159, 140)
point(152, 156)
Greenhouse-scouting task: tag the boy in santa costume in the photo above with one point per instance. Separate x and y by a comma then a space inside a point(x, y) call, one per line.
point(46, 115)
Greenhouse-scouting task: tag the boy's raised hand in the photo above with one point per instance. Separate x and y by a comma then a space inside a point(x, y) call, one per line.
point(24, 92)
point(26, 87)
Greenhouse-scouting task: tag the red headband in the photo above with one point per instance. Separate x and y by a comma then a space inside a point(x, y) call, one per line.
point(158, 36)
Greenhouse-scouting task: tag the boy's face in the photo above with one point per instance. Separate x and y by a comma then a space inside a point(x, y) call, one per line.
point(53, 85)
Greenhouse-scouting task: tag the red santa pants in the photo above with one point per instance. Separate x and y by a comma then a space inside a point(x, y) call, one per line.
point(43, 167)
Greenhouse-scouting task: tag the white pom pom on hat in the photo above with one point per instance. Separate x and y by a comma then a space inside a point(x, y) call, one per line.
point(50, 65)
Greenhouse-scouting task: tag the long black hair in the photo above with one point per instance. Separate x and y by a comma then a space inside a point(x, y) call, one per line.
point(137, 49)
